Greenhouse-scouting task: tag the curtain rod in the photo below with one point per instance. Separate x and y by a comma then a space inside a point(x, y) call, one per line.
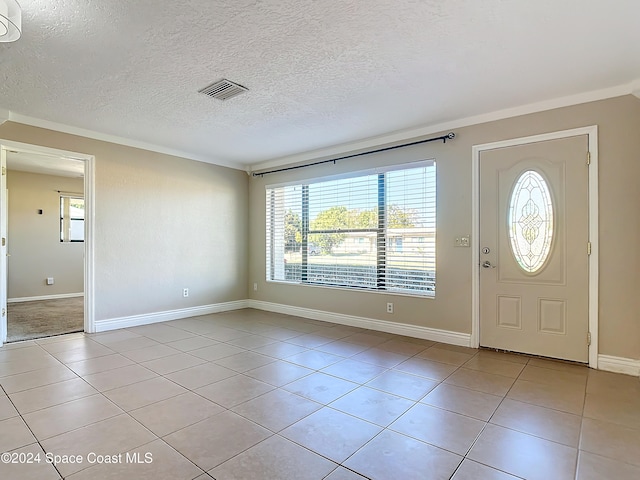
point(444, 138)
point(69, 194)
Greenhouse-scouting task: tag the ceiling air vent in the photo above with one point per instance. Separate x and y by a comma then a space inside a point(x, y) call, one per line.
point(223, 89)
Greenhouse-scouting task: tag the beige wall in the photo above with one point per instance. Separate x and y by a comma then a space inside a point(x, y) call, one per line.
point(619, 136)
point(34, 239)
point(161, 223)
point(164, 223)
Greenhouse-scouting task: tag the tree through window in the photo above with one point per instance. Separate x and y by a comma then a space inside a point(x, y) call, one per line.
point(369, 231)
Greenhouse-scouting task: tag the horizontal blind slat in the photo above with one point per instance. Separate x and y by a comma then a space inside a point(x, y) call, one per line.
point(349, 250)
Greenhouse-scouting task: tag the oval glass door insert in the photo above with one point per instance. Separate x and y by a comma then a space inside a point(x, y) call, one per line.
point(530, 221)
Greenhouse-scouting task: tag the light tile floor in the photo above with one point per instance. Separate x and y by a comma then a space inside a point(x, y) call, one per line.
point(256, 395)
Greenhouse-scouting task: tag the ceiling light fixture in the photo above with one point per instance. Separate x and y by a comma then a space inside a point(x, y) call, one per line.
point(10, 21)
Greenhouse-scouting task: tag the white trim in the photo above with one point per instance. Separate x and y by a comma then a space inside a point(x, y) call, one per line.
point(369, 142)
point(592, 134)
point(414, 133)
point(156, 317)
point(605, 362)
point(635, 88)
point(594, 238)
point(44, 297)
point(4, 225)
point(89, 222)
point(89, 244)
point(416, 331)
point(83, 132)
point(366, 143)
point(41, 150)
point(430, 296)
point(619, 365)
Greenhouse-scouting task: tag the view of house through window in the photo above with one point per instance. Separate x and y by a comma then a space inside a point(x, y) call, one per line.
point(369, 231)
point(71, 218)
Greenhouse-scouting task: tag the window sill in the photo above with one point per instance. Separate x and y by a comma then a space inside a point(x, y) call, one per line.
point(428, 296)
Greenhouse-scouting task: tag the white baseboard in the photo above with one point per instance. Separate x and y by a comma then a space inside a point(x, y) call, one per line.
point(434, 334)
point(148, 318)
point(44, 297)
point(605, 362)
point(619, 365)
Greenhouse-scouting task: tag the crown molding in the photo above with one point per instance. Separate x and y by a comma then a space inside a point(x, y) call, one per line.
point(632, 88)
point(105, 137)
point(4, 115)
point(412, 133)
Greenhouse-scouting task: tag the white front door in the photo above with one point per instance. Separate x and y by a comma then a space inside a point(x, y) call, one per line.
point(534, 233)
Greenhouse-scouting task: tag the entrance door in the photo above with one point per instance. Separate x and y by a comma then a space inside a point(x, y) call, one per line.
point(534, 233)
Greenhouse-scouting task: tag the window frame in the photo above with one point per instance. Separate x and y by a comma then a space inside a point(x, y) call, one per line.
point(381, 231)
point(66, 218)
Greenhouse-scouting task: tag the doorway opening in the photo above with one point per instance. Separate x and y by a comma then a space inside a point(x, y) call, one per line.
point(46, 223)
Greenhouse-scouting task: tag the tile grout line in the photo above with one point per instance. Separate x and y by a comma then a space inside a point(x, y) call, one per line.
point(31, 431)
point(487, 422)
point(87, 425)
point(358, 384)
point(108, 418)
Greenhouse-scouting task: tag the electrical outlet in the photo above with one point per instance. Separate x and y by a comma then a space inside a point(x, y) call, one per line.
point(185, 292)
point(255, 286)
point(389, 307)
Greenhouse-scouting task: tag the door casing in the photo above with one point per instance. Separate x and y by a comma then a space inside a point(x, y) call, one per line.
point(89, 243)
point(592, 133)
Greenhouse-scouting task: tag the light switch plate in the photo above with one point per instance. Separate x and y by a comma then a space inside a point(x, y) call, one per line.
point(462, 241)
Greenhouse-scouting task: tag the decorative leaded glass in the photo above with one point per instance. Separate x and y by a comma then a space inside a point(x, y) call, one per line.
point(530, 221)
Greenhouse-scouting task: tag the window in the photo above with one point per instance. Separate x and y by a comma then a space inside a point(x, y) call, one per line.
point(71, 218)
point(373, 231)
point(530, 221)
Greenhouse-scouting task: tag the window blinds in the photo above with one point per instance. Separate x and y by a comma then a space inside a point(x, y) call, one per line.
point(373, 230)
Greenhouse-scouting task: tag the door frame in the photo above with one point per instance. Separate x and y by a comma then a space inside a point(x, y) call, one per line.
point(592, 135)
point(89, 227)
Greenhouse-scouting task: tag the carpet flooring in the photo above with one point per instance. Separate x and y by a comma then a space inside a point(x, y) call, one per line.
point(44, 318)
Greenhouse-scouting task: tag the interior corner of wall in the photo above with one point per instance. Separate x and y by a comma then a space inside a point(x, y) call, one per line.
point(635, 88)
point(4, 115)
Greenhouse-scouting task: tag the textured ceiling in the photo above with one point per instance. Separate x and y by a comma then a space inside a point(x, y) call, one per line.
point(319, 72)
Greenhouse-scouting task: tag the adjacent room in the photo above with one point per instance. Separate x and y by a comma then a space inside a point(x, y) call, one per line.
point(45, 264)
point(319, 240)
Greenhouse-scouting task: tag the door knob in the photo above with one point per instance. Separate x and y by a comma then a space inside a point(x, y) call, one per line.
point(487, 264)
